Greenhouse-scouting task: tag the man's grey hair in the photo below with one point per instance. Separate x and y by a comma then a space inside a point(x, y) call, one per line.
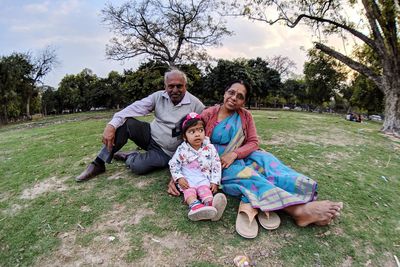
point(175, 71)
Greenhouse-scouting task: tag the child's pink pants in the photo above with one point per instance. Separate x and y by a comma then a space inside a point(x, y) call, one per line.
point(203, 192)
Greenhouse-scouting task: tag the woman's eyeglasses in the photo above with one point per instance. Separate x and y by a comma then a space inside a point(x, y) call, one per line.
point(239, 96)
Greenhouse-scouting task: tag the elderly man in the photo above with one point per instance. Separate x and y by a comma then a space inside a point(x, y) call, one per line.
point(160, 138)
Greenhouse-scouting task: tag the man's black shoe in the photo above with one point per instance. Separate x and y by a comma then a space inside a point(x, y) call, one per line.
point(91, 171)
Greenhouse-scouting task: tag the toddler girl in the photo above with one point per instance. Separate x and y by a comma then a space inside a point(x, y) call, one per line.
point(196, 168)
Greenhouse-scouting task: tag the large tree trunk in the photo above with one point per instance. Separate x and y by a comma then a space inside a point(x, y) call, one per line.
point(391, 87)
point(391, 125)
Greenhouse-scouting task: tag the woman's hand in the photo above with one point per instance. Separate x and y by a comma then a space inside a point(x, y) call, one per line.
point(214, 188)
point(172, 190)
point(183, 183)
point(108, 137)
point(228, 159)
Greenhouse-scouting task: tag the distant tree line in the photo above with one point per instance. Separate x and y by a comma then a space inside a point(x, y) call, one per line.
point(322, 87)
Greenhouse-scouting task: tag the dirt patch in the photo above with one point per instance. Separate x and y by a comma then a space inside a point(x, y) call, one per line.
point(14, 209)
point(163, 251)
point(117, 176)
point(335, 157)
point(110, 245)
point(348, 262)
point(143, 183)
point(168, 250)
point(4, 196)
point(85, 209)
point(389, 260)
point(49, 185)
point(392, 137)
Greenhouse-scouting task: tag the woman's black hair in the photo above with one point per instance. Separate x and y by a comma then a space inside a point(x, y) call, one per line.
point(189, 123)
point(244, 83)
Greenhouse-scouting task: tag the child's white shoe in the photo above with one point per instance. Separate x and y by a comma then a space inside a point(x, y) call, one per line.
point(201, 212)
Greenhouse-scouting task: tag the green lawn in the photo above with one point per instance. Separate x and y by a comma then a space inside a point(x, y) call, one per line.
point(122, 219)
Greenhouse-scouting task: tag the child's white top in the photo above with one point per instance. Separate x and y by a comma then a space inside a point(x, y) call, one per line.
point(198, 167)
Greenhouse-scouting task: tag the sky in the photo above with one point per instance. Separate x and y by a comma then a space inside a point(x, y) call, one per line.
point(74, 29)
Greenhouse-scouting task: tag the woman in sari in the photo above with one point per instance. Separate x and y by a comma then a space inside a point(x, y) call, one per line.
point(258, 178)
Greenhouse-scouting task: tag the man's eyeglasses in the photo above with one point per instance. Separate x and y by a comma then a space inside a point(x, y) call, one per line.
point(239, 96)
point(172, 86)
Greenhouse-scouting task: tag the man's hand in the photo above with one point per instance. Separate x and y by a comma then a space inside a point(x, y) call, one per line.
point(228, 159)
point(214, 188)
point(172, 190)
point(108, 137)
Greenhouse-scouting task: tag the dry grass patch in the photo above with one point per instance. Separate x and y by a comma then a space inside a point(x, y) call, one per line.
point(52, 184)
point(117, 176)
point(330, 137)
point(14, 209)
point(109, 246)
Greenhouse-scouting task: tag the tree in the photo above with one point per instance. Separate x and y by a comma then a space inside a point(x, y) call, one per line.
point(365, 95)
point(322, 77)
point(69, 94)
point(41, 65)
point(256, 72)
point(264, 79)
point(49, 99)
point(20, 74)
point(14, 76)
point(108, 92)
point(381, 19)
point(283, 65)
point(171, 31)
point(148, 78)
point(219, 76)
point(294, 92)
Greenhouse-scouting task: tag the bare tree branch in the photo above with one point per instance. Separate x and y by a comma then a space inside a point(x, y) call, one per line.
point(361, 68)
point(168, 30)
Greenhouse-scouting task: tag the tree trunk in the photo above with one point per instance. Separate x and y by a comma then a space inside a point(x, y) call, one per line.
point(391, 124)
point(5, 114)
point(28, 103)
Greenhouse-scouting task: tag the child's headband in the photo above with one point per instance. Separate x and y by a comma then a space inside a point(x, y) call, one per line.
point(191, 115)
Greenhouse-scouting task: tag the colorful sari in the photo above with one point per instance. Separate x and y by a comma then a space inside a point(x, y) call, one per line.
point(260, 178)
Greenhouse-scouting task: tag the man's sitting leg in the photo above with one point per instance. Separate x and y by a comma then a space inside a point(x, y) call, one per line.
point(132, 129)
point(153, 159)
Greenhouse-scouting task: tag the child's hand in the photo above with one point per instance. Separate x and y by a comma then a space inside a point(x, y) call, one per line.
point(183, 183)
point(214, 188)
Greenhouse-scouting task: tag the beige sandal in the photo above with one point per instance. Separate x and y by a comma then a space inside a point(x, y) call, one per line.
point(219, 203)
point(246, 225)
point(269, 219)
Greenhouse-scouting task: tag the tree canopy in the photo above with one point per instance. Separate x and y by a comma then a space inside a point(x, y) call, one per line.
point(378, 29)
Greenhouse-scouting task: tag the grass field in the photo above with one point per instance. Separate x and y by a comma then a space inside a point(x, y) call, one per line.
point(121, 219)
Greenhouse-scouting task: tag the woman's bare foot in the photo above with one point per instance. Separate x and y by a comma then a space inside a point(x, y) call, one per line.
point(318, 212)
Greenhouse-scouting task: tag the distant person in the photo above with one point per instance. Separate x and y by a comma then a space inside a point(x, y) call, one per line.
point(354, 117)
point(196, 168)
point(357, 118)
point(160, 138)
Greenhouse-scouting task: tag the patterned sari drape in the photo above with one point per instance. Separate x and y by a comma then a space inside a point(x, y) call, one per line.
point(260, 178)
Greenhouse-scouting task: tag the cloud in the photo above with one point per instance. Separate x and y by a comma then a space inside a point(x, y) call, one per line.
point(258, 39)
point(68, 7)
point(37, 8)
